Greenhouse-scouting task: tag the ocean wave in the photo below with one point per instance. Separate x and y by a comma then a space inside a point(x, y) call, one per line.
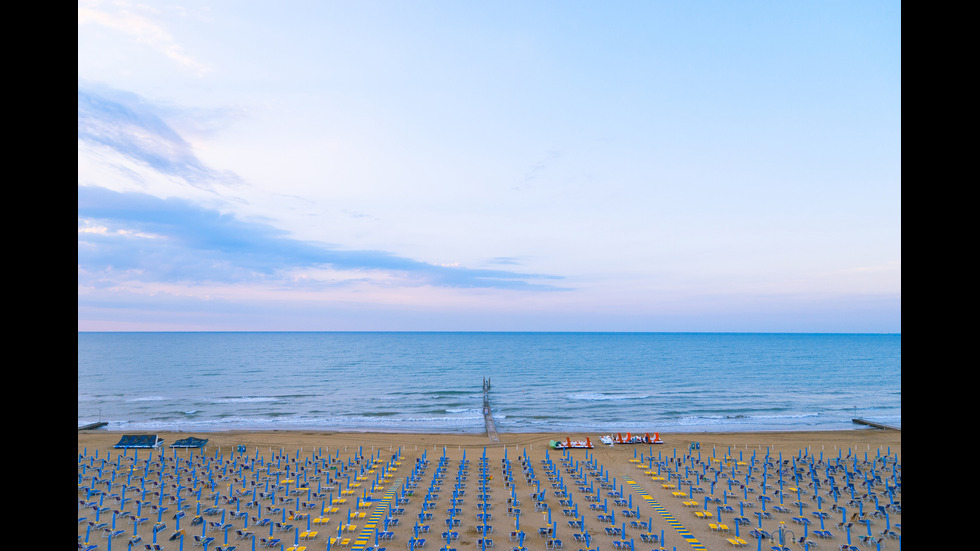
point(602, 397)
point(244, 399)
point(663, 383)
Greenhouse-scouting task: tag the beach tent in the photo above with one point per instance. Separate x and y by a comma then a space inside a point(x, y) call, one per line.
point(190, 442)
point(139, 441)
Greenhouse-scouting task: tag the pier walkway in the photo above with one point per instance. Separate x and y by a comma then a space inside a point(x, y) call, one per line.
point(875, 425)
point(487, 416)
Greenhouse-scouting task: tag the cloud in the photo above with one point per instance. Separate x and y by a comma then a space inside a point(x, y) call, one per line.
point(134, 128)
point(536, 169)
point(142, 237)
point(140, 28)
point(172, 240)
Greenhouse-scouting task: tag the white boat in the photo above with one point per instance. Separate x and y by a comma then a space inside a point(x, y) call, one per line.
point(612, 440)
point(570, 444)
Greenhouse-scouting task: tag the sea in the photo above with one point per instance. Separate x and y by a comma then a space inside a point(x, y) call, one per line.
point(436, 382)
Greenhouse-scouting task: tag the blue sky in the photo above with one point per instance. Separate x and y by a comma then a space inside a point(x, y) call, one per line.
point(529, 166)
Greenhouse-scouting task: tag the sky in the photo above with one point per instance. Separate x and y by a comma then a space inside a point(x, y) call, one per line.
point(443, 165)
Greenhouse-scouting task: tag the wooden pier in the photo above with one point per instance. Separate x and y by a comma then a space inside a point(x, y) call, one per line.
point(875, 425)
point(92, 426)
point(487, 416)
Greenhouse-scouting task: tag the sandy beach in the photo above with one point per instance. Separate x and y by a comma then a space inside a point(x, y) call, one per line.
point(721, 475)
